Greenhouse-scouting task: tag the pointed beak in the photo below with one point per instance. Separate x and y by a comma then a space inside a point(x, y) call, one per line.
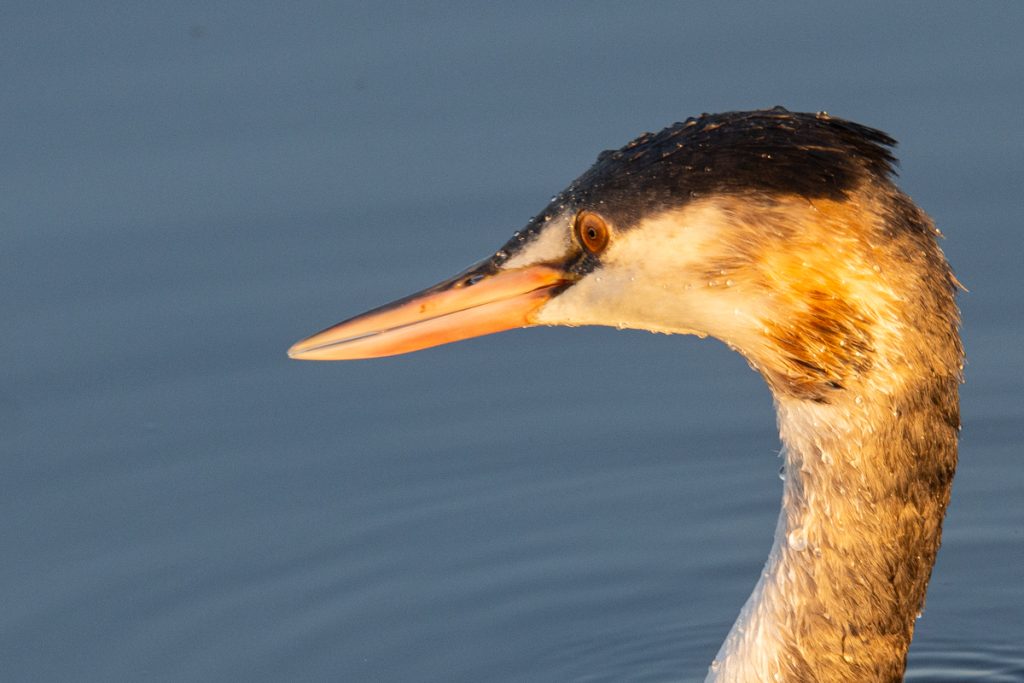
point(481, 300)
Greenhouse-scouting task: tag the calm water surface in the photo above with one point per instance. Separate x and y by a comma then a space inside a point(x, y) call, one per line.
point(187, 191)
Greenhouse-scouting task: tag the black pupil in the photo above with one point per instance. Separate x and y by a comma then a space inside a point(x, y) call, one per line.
point(592, 233)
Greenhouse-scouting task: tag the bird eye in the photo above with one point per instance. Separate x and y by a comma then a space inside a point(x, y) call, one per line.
point(592, 231)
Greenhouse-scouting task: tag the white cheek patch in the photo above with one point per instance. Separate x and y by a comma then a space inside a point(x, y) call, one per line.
point(650, 278)
point(552, 244)
point(668, 242)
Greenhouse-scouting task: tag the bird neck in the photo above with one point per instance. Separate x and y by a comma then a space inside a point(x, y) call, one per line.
point(867, 481)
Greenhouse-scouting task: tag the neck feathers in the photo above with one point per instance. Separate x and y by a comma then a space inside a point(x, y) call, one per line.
point(865, 493)
point(869, 414)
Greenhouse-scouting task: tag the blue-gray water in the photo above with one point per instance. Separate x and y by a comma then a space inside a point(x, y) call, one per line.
point(187, 188)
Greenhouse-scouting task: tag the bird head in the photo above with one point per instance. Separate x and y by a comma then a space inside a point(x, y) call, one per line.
point(764, 229)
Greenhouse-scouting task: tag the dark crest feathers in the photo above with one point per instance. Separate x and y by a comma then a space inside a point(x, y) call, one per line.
point(771, 151)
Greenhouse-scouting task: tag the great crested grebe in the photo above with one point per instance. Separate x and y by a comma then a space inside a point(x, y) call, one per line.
point(783, 235)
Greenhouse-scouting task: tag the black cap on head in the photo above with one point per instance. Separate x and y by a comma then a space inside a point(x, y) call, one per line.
point(767, 152)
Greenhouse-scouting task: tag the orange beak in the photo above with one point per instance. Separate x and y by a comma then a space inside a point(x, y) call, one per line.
point(478, 301)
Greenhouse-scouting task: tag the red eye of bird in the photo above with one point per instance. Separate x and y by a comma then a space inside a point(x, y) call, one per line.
point(592, 231)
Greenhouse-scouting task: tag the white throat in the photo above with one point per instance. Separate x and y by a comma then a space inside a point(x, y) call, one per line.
point(752, 650)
